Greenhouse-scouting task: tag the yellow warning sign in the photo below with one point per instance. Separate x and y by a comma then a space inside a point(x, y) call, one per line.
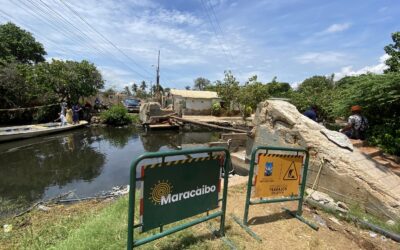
point(291, 173)
point(278, 175)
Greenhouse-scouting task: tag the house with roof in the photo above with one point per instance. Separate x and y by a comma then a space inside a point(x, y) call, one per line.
point(193, 102)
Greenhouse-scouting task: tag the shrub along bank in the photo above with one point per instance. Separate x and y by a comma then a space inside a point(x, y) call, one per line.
point(117, 115)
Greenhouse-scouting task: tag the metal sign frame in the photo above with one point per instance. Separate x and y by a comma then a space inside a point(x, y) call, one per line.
point(132, 193)
point(298, 214)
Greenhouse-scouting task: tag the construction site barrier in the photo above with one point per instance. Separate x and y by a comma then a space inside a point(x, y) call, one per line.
point(283, 179)
point(175, 190)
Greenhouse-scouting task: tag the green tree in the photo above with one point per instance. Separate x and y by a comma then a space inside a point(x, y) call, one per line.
point(316, 90)
point(69, 80)
point(187, 87)
point(18, 90)
point(18, 44)
point(379, 97)
point(252, 93)
point(127, 91)
point(201, 83)
point(109, 92)
point(393, 50)
point(279, 89)
point(134, 88)
point(228, 89)
point(143, 86)
point(154, 89)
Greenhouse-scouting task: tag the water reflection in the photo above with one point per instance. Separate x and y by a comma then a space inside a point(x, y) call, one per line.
point(28, 171)
point(117, 137)
point(153, 141)
point(86, 161)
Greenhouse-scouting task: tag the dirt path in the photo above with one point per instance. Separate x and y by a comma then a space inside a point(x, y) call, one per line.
point(280, 231)
point(275, 227)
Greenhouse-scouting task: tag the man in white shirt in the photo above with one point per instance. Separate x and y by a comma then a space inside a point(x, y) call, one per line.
point(357, 124)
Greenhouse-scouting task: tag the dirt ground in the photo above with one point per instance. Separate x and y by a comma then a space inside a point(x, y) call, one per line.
point(279, 230)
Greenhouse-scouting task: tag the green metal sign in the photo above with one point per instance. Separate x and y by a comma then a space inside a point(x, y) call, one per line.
point(179, 190)
point(175, 190)
point(298, 197)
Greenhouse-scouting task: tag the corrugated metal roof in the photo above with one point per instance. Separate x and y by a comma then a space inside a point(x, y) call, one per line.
point(195, 94)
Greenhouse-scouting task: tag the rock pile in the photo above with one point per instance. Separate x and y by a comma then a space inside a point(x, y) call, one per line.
point(346, 175)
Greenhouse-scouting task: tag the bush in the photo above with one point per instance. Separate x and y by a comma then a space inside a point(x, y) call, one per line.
point(40, 114)
point(248, 111)
point(117, 115)
point(386, 136)
point(216, 109)
point(379, 96)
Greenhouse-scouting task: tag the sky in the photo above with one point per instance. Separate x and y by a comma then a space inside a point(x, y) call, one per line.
point(289, 39)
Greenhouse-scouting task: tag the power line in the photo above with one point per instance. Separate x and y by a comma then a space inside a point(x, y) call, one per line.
point(62, 25)
point(65, 23)
point(219, 26)
point(214, 29)
point(33, 9)
point(80, 33)
point(28, 27)
point(101, 35)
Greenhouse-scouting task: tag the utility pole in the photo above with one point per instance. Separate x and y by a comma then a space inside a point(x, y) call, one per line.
point(158, 94)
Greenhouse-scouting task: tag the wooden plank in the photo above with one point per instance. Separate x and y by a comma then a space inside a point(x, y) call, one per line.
point(163, 126)
point(208, 125)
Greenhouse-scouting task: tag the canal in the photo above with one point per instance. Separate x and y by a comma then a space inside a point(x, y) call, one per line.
point(86, 161)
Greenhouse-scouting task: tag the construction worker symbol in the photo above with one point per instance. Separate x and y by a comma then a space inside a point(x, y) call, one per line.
point(291, 173)
point(268, 169)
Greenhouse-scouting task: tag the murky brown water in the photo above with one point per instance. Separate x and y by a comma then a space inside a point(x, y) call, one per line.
point(86, 161)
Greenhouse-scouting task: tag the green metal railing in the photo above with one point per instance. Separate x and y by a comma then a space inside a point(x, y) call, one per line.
point(299, 198)
point(133, 179)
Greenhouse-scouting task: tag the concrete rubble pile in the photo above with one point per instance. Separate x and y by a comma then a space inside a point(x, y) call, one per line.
point(149, 109)
point(342, 172)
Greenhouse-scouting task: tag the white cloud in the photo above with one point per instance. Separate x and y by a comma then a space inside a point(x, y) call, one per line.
point(326, 58)
point(115, 77)
point(336, 27)
point(295, 85)
point(376, 69)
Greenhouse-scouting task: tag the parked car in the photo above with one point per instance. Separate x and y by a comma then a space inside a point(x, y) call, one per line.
point(132, 105)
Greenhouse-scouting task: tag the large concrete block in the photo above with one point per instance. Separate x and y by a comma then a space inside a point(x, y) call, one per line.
point(348, 176)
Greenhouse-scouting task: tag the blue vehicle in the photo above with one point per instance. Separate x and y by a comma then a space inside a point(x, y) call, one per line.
point(132, 105)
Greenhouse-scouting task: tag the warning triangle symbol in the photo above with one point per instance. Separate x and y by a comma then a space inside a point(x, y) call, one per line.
point(291, 173)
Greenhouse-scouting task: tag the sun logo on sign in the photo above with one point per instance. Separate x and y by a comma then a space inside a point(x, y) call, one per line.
point(160, 189)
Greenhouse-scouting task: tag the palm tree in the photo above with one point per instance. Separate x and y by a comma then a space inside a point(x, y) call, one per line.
point(127, 91)
point(134, 88)
point(143, 86)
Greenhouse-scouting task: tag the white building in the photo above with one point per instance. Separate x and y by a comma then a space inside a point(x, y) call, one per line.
point(193, 102)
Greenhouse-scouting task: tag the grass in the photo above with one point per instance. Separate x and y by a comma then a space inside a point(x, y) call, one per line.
point(135, 118)
point(355, 211)
point(39, 230)
point(94, 226)
point(103, 225)
point(105, 230)
point(359, 213)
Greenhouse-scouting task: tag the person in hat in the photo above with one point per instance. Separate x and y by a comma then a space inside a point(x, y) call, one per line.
point(357, 124)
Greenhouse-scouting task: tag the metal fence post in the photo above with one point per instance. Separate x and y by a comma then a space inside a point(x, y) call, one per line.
point(249, 184)
point(303, 184)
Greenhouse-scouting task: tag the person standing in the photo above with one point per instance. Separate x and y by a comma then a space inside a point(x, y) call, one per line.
point(62, 119)
point(69, 116)
point(75, 116)
point(63, 108)
point(311, 113)
point(357, 124)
